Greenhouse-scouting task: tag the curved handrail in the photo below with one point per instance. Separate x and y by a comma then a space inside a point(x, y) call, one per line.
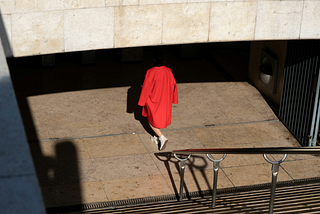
point(274, 162)
point(265, 150)
point(225, 151)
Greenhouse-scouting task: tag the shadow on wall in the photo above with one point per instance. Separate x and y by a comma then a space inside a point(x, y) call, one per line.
point(4, 37)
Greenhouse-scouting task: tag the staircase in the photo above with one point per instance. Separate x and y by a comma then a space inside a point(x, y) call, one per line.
point(296, 196)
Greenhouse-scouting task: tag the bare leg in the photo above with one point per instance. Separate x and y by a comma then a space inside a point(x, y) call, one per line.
point(156, 130)
point(162, 139)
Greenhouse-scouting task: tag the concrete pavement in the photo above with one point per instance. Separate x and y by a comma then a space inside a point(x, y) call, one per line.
point(102, 158)
point(90, 144)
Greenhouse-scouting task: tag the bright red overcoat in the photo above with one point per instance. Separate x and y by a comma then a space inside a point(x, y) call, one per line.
point(159, 91)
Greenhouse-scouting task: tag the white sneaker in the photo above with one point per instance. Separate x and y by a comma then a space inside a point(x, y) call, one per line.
point(163, 141)
point(154, 139)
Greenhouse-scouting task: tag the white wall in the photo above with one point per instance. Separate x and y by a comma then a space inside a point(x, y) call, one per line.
point(51, 26)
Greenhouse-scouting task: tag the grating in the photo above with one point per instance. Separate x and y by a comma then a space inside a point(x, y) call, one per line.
point(299, 88)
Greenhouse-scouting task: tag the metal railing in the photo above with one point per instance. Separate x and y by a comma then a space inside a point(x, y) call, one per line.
point(225, 151)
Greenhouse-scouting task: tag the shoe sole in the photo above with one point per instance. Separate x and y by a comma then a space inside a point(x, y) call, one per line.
point(164, 145)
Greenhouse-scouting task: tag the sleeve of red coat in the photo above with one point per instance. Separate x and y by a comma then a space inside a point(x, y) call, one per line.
point(175, 95)
point(146, 90)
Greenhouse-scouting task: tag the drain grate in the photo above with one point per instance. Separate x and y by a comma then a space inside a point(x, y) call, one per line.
point(296, 196)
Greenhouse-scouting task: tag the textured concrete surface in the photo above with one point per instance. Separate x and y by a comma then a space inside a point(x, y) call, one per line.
point(89, 143)
point(232, 21)
point(33, 27)
point(115, 167)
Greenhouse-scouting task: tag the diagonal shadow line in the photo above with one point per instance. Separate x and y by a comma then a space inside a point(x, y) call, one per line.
point(4, 38)
point(168, 156)
point(53, 172)
point(191, 164)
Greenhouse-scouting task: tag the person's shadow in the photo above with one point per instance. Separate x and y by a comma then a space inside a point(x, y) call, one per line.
point(59, 177)
point(133, 96)
point(58, 173)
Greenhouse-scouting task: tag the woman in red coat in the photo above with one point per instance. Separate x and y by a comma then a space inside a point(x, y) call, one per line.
point(159, 91)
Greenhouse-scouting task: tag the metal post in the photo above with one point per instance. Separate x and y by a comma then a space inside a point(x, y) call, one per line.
point(275, 170)
point(216, 166)
point(183, 166)
point(313, 134)
point(215, 181)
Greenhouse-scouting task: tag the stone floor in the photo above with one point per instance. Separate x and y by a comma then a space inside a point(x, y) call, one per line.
point(99, 160)
point(93, 145)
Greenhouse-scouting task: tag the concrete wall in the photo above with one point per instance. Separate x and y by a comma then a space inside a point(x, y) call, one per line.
point(19, 187)
point(51, 26)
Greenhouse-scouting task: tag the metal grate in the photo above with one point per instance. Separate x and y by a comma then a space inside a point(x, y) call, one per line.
point(297, 98)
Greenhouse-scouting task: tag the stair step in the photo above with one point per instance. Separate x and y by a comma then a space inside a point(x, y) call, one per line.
point(291, 197)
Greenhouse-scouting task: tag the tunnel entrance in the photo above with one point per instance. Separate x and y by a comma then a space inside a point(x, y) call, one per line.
point(53, 76)
point(216, 62)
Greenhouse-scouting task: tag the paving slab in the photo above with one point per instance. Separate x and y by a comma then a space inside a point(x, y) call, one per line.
point(253, 174)
point(136, 187)
point(127, 166)
point(301, 169)
point(114, 146)
point(269, 131)
point(224, 136)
